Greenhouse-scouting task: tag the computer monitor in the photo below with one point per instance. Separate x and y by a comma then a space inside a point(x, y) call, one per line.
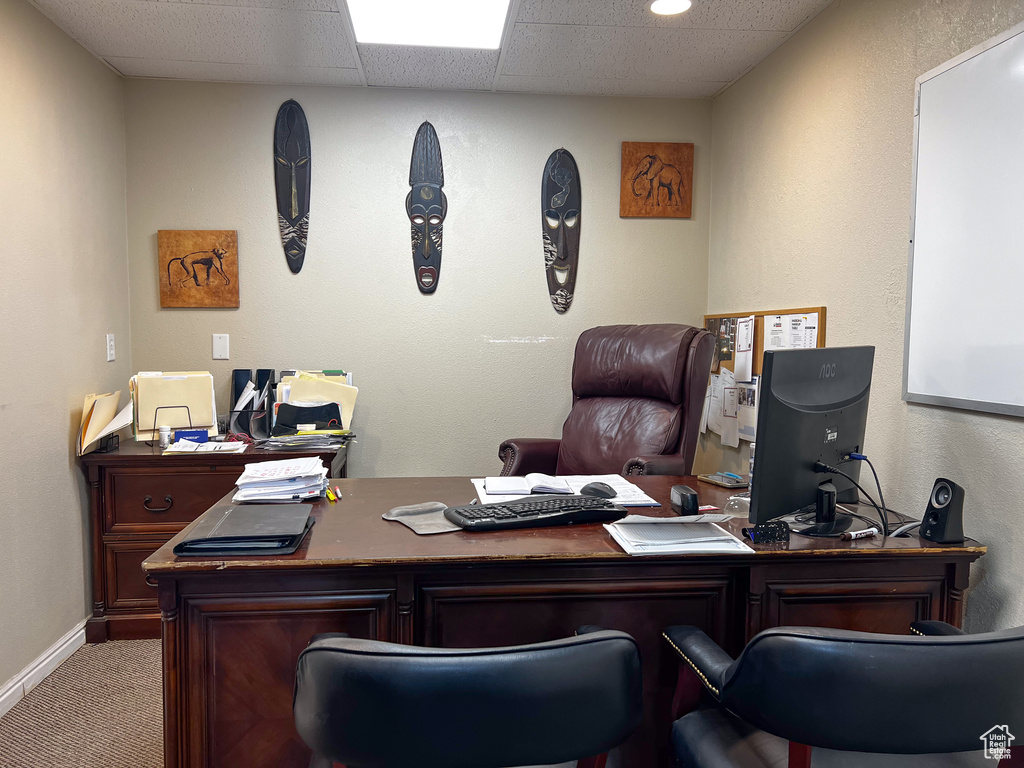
point(813, 408)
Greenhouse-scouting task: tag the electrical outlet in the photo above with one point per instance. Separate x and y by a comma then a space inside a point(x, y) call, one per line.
point(220, 346)
point(110, 347)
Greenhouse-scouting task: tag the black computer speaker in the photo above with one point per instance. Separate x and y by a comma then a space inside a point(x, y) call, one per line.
point(943, 521)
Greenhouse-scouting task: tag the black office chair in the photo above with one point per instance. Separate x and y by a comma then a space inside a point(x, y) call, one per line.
point(364, 703)
point(826, 697)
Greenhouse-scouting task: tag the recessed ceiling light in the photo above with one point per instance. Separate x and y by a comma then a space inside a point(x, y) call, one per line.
point(670, 7)
point(438, 23)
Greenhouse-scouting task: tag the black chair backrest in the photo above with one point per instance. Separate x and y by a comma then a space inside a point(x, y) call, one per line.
point(879, 693)
point(365, 703)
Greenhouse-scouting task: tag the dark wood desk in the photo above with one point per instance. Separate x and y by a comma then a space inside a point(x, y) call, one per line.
point(139, 498)
point(233, 627)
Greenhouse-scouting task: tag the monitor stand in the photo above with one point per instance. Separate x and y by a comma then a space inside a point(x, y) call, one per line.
point(828, 522)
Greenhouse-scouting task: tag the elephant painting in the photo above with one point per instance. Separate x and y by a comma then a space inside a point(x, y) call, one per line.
point(651, 176)
point(656, 180)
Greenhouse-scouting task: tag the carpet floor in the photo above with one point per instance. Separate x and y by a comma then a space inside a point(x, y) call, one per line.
point(101, 708)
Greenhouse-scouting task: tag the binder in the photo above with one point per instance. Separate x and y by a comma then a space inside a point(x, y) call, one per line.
point(248, 529)
point(239, 378)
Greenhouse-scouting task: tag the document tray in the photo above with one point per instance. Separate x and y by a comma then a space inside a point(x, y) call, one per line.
point(248, 529)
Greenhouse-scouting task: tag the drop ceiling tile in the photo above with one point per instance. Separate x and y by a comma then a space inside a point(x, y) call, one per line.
point(327, 6)
point(406, 66)
point(234, 73)
point(668, 89)
point(204, 33)
point(765, 15)
point(634, 53)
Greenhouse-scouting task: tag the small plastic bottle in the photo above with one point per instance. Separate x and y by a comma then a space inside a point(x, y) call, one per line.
point(165, 437)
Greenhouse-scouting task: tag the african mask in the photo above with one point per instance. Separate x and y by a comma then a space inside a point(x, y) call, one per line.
point(427, 207)
point(291, 179)
point(560, 225)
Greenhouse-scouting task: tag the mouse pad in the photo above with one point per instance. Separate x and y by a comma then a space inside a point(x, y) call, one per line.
point(425, 519)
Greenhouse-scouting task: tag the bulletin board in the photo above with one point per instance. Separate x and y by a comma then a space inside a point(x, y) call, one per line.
point(727, 337)
point(731, 404)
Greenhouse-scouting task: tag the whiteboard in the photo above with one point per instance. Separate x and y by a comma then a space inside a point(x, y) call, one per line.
point(964, 337)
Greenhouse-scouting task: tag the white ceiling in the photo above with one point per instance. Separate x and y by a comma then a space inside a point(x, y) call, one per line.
point(608, 47)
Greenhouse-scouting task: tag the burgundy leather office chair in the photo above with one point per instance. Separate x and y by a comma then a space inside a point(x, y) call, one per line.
point(638, 392)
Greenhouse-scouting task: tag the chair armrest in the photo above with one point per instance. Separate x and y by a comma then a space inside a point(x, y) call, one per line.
point(522, 455)
point(701, 654)
point(325, 636)
point(934, 628)
point(666, 464)
point(586, 629)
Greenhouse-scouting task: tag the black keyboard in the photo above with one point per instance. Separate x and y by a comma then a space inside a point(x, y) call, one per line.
point(535, 512)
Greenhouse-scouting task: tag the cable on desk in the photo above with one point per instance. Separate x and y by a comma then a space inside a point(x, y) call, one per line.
point(882, 516)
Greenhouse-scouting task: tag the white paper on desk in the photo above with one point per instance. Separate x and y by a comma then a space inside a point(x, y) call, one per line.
point(715, 406)
point(626, 493)
point(743, 366)
point(748, 396)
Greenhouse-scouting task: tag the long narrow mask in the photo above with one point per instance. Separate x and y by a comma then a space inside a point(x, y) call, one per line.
point(292, 181)
point(427, 206)
point(560, 203)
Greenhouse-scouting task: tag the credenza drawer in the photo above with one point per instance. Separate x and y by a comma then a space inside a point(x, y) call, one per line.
point(126, 581)
point(146, 502)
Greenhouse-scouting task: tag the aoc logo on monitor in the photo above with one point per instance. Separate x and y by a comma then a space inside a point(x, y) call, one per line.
point(828, 371)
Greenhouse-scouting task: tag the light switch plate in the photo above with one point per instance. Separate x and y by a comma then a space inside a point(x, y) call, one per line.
point(220, 346)
point(110, 347)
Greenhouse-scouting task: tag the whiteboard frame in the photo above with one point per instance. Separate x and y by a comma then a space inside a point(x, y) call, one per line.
point(1005, 409)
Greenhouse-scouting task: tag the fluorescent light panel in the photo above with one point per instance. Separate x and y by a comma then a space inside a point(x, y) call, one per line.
point(435, 23)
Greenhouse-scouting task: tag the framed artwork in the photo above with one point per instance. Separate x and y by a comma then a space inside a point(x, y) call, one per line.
point(198, 268)
point(657, 180)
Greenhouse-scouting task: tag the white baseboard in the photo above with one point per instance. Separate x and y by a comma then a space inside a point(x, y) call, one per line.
point(14, 690)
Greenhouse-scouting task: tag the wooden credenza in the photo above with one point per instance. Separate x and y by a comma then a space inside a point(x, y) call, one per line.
point(233, 627)
point(139, 499)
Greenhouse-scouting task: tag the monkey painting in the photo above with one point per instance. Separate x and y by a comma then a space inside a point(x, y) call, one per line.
point(198, 268)
point(191, 263)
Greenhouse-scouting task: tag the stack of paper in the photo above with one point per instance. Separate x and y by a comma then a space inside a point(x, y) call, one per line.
point(182, 399)
point(285, 480)
point(306, 388)
point(641, 535)
point(191, 446)
point(320, 440)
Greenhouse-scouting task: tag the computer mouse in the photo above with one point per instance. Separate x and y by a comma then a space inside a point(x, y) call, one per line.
point(599, 489)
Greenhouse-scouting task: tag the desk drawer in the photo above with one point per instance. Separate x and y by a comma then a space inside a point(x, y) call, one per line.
point(165, 502)
point(126, 581)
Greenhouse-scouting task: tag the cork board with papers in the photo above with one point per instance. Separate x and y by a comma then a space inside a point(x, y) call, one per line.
point(730, 407)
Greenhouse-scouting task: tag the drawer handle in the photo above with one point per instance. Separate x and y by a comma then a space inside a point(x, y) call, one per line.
point(167, 500)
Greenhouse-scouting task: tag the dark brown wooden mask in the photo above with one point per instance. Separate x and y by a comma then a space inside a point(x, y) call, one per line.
point(292, 178)
point(560, 198)
point(427, 206)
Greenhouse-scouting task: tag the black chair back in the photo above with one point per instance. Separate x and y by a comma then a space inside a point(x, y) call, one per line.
point(879, 693)
point(365, 703)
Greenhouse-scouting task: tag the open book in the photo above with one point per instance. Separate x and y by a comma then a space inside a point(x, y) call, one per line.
point(535, 482)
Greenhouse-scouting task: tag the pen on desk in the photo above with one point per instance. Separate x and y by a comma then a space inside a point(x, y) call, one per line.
point(330, 495)
point(865, 534)
point(730, 474)
point(474, 502)
point(337, 492)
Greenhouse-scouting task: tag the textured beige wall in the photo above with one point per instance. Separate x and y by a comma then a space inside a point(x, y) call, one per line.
point(811, 205)
point(65, 285)
point(442, 378)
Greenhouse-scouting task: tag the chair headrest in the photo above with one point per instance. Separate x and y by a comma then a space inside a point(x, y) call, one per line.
point(632, 361)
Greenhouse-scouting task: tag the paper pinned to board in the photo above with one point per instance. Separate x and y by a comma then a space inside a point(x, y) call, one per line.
point(796, 331)
point(707, 407)
point(715, 406)
point(730, 422)
point(748, 397)
point(744, 365)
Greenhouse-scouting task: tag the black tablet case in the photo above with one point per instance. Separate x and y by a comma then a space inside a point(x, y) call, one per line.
point(248, 529)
